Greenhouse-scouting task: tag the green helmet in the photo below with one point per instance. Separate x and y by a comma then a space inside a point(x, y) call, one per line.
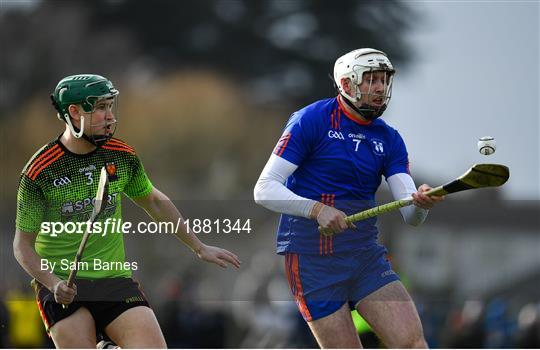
point(83, 89)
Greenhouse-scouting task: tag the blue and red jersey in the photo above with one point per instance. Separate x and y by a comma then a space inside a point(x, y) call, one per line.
point(341, 161)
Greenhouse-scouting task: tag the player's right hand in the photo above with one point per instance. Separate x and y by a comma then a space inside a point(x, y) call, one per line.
point(331, 219)
point(64, 294)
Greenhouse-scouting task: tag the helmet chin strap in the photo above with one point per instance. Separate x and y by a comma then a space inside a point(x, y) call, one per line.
point(79, 133)
point(365, 110)
point(97, 143)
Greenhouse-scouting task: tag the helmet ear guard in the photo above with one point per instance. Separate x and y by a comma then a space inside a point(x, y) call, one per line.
point(73, 128)
point(65, 117)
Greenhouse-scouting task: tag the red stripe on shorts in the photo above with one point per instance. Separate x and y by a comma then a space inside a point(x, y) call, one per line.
point(43, 316)
point(299, 295)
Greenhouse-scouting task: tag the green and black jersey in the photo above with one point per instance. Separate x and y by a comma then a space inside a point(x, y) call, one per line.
point(59, 186)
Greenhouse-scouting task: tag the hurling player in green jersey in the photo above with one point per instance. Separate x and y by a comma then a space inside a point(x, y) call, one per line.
point(57, 186)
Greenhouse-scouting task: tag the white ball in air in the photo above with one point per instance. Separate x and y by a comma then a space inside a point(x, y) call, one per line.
point(487, 145)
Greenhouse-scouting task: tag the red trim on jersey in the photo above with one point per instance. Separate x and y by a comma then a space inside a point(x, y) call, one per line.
point(49, 161)
point(335, 119)
point(282, 144)
point(327, 199)
point(115, 142)
point(326, 244)
point(321, 236)
point(117, 145)
point(285, 144)
point(114, 139)
point(332, 203)
point(43, 157)
point(118, 148)
point(349, 115)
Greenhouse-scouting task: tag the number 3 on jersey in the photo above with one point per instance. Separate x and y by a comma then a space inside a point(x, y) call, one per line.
point(90, 179)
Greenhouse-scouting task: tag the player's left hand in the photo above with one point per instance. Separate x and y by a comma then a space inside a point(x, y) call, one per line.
point(423, 201)
point(218, 256)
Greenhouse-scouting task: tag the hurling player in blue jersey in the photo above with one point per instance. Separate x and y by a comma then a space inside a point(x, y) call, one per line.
point(329, 163)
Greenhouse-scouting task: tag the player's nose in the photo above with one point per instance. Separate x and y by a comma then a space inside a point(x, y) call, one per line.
point(378, 86)
point(109, 115)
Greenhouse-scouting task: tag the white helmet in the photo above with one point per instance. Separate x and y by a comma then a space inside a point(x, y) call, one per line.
point(353, 65)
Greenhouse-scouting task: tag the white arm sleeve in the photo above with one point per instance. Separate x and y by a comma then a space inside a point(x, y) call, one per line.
point(271, 193)
point(402, 186)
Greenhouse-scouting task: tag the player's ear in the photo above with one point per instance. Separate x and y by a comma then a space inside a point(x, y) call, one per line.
point(346, 84)
point(75, 112)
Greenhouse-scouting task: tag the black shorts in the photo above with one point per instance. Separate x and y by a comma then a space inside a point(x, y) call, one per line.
point(105, 298)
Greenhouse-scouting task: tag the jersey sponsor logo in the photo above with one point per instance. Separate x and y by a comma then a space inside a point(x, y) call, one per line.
point(358, 136)
point(377, 146)
point(64, 180)
point(335, 135)
point(67, 208)
point(78, 210)
point(91, 167)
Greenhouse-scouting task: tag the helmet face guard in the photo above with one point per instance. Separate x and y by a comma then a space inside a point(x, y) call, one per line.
point(96, 95)
point(367, 110)
point(359, 66)
point(103, 120)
